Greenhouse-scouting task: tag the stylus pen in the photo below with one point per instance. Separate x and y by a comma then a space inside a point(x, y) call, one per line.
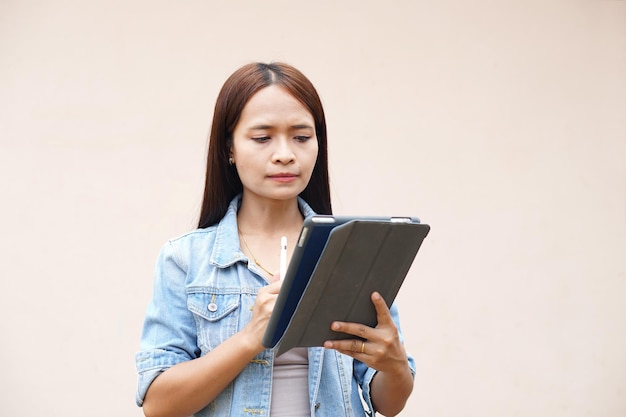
point(283, 257)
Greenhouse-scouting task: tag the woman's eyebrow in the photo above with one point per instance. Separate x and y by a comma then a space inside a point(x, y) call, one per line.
point(302, 126)
point(267, 127)
point(260, 127)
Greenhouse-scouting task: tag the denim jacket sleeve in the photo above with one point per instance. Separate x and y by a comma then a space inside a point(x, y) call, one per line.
point(169, 331)
point(364, 374)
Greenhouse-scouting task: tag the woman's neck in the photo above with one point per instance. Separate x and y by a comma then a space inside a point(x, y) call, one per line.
point(271, 218)
point(262, 223)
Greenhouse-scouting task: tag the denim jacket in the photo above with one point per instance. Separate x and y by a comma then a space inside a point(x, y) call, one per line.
point(204, 288)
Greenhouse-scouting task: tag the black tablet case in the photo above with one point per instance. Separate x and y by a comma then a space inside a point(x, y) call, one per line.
point(337, 264)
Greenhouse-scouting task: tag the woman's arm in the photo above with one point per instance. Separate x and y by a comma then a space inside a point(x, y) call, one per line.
point(383, 351)
point(188, 387)
point(391, 389)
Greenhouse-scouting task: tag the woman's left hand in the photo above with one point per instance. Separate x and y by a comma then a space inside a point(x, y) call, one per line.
point(380, 348)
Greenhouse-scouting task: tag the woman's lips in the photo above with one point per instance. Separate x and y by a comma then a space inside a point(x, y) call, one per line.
point(283, 177)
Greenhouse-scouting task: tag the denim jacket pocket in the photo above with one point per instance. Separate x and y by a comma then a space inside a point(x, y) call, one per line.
point(216, 315)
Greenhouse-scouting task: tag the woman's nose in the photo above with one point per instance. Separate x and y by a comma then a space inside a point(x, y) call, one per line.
point(283, 152)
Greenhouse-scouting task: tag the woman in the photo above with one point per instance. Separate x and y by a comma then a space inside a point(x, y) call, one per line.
point(215, 287)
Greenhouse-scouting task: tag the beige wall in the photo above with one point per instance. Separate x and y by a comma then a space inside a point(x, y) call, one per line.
point(502, 124)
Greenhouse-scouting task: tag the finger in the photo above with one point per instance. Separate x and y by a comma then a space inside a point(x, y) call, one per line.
point(383, 315)
point(352, 347)
point(266, 297)
point(355, 329)
point(273, 288)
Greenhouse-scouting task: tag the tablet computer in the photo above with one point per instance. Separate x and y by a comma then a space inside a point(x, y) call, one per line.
point(336, 265)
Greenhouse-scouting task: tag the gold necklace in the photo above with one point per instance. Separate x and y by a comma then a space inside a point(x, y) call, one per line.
point(256, 261)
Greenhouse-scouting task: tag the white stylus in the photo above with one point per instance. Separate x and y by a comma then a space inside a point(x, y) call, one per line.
point(283, 257)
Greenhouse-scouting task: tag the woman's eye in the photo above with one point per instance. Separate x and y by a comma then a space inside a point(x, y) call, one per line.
point(302, 138)
point(261, 139)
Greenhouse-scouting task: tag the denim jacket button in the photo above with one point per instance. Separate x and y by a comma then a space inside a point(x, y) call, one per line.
point(212, 307)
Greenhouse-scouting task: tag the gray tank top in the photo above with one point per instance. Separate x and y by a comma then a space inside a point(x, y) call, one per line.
point(290, 387)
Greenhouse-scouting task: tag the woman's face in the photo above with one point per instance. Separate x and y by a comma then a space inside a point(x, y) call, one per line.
point(274, 145)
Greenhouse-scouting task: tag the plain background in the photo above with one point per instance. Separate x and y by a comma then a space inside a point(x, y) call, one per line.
point(500, 123)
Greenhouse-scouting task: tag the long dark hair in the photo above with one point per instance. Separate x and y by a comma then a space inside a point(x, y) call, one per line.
point(222, 182)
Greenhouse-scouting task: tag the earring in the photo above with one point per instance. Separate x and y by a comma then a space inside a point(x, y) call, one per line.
point(231, 161)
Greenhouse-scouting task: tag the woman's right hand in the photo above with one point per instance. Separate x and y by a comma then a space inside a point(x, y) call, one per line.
point(261, 312)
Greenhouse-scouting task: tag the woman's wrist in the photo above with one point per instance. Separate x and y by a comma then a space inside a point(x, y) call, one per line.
point(250, 341)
